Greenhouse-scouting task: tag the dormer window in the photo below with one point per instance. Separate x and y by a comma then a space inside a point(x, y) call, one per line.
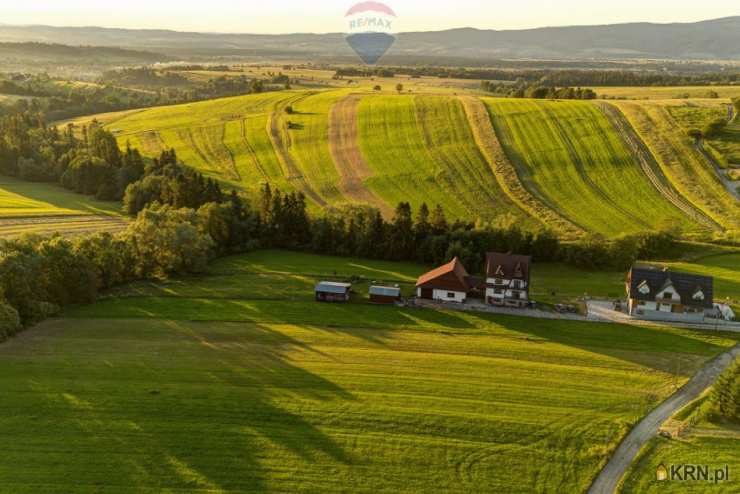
point(698, 295)
point(643, 288)
point(518, 270)
point(499, 270)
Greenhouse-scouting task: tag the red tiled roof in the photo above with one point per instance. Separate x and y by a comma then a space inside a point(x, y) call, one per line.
point(451, 275)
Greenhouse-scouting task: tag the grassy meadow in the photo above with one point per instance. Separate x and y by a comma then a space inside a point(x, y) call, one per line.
point(237, 381)
point(574, 169)
point(43, 208)
point(568, 154)
point(666, 92)
point(421, 149)
point(701, 442)
point(691, 174)
point(19, 198)
point(726, 144)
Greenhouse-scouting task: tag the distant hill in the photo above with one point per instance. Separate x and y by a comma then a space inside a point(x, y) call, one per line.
point(711, 39)
point(62, 53)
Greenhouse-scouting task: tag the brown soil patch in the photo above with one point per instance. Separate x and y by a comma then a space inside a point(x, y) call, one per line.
point(347, 157)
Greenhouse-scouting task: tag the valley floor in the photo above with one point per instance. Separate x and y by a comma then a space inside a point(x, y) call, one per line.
point(238, 381)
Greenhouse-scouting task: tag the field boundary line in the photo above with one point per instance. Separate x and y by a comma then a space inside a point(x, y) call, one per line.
point(621, 460)
point(649, 165)
point(505, 172)
point(347, 156)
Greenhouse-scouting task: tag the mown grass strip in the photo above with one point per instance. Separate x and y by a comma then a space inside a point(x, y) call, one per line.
point(505, 172)
point(681, 161)
point(570, 156)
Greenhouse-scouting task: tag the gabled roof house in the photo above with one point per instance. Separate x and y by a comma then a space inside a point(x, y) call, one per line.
point(449, 283)
point(660, 294)
point(507, 279)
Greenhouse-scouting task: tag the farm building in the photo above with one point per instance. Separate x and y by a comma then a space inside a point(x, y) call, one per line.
point(384, 294)
point(448, 283)
point(507, 279)
point(659, 294)
point(332, 291)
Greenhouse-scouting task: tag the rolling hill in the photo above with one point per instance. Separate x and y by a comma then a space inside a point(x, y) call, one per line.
point(710, 39)
point(572, 166)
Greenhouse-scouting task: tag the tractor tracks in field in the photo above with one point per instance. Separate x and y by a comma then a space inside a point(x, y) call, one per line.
point(650, 167)
point(578, 163)
point(347, 157)
point(250, 150)
point(505, 172)
point(280, 138)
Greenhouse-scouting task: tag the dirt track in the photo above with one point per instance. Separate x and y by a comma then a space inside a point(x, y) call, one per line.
point(347, 157)
point(608, 479)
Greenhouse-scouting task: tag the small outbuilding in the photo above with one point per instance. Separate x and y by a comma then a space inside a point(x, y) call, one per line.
point(332, 291)
point(384, 294)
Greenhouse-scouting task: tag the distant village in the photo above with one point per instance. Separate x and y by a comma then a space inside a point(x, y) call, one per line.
point(651, 293)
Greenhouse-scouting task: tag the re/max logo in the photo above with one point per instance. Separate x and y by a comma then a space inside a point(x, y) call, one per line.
point(696, 473)
point(370, 22)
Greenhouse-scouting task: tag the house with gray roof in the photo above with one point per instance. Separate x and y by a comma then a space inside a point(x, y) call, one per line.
point(659, 294)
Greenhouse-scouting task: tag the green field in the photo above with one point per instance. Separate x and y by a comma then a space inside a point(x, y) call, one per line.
point(227, 138)
point(43, 208)
point(701, 442)
point(691, 174)
point(568, 154)
point(19, 198)
point(238, 382)
point(421, 149)
point(562, 163)
point(726, 143)
point(569, 283)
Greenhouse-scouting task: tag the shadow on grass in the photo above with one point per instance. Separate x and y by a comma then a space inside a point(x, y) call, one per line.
point(192, 406)
point(57, 196)
point(668, 350)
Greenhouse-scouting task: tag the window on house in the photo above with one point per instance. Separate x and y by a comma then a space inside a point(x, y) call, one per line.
point(450, 295)
point(498, 291)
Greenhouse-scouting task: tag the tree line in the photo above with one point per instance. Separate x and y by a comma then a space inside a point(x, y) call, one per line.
point(677, 75)
point(183, 220)
point(121, 89)
point(724, 399)
point(520, 89)
point(93, 164)
point(172, 235)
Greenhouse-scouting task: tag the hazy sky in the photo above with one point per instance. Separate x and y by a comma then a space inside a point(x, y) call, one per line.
point(282, 16)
